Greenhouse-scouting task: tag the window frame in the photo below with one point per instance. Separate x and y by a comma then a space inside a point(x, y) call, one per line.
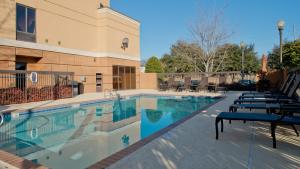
point(26, 33)
point(119, 80)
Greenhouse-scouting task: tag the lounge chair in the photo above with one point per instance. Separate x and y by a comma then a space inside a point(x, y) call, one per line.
point(282, 99)
point(282, 91)
point(273, 119)
point(270, 108)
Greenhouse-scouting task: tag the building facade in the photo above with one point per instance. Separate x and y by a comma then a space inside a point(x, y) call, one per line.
point(100, 45)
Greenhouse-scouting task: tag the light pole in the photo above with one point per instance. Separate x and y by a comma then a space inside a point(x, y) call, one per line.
point(280, 26)
point(195, 64)
point(242, 45)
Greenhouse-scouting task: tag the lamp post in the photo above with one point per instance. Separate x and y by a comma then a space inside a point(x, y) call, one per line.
point(242, 45)
point(195, 64)
point(280, 26)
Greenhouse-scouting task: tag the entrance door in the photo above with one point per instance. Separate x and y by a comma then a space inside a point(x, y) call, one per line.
point(21, 77)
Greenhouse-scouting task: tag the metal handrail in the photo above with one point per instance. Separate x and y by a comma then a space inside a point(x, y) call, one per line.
point(2, 119)
point(111, 93)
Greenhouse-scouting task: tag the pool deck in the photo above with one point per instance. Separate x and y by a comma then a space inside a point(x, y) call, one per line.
point(193, 145)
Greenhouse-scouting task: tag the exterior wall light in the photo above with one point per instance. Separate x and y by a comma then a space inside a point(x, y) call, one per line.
point(125, 43)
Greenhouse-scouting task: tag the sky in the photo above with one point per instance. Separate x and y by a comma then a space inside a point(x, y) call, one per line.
point(164, 22)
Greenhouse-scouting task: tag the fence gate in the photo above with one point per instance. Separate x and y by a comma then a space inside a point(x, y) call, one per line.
point(31, 86)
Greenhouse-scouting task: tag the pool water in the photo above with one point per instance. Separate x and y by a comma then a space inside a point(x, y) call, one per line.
point(79, 136)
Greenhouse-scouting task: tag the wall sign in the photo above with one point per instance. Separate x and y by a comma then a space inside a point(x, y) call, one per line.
point(34, 77)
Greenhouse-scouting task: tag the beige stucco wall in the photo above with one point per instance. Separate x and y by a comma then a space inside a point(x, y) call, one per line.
point(111, 31)
point(7, 58)
point(7, 19)
point(38, 60)
point(148, 81)
point(76, 24)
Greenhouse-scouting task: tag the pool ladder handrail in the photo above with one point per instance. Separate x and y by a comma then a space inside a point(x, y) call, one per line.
point(111, 93)
point(2, 119)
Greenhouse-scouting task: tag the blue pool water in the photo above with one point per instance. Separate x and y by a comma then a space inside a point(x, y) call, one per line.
point(79, 136)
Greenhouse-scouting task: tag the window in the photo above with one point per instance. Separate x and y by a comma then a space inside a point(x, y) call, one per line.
point(124, 77)
point(25, 23)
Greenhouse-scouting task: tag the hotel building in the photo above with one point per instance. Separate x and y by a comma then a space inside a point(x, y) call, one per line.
point(100, 45)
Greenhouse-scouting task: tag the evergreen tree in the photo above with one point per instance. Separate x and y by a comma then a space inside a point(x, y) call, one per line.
point(153, 65)
point(290, 55)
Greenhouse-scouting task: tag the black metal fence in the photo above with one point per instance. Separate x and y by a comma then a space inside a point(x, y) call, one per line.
point(31, 86)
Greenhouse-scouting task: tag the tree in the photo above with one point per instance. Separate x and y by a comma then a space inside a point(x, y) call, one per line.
point(232, 58)
point(153, 65)
point(181, 58)
point(209, 34)
point(290, 55)
point(184, 56)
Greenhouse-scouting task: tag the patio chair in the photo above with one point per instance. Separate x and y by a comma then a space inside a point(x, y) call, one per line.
point(280, 99)
point(194, 85)
point(185, 85)
point(163, 86)
point(273, 119)
point(203, 84)
point(171, 83)
point(187, 82)
point(222, 84)
point(180, 86)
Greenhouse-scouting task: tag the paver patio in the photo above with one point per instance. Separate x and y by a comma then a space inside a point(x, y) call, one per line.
point(192, 145)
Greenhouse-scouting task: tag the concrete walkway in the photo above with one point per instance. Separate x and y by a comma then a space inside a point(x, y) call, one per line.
point(192, 145)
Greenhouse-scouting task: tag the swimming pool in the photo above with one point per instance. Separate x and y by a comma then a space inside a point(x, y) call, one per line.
point(78, 136)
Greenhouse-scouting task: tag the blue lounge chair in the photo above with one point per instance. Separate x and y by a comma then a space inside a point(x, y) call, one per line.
point(292, 89)
point(273, 119)
point(282, 90)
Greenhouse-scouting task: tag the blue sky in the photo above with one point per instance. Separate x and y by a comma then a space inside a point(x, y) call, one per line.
point(163, 22)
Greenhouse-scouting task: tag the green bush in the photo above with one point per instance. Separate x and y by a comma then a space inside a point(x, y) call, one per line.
point(153, 65)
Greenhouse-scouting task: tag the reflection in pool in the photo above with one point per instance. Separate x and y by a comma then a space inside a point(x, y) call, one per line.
point(80, 137)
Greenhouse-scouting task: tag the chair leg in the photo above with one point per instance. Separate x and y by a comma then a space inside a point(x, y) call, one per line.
point(222, 126)
point(273, 128)
point(296, 131)
point(217, 128)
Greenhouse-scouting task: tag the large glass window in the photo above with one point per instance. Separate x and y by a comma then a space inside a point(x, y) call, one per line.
point(25, 23)
point(21, 18)
point(124, 77)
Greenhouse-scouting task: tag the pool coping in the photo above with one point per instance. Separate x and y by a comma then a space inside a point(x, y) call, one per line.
point(106, 162)
point(15, 161)
point(23, 163)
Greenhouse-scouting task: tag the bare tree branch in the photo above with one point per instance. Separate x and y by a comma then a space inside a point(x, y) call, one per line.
point(209, 34)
